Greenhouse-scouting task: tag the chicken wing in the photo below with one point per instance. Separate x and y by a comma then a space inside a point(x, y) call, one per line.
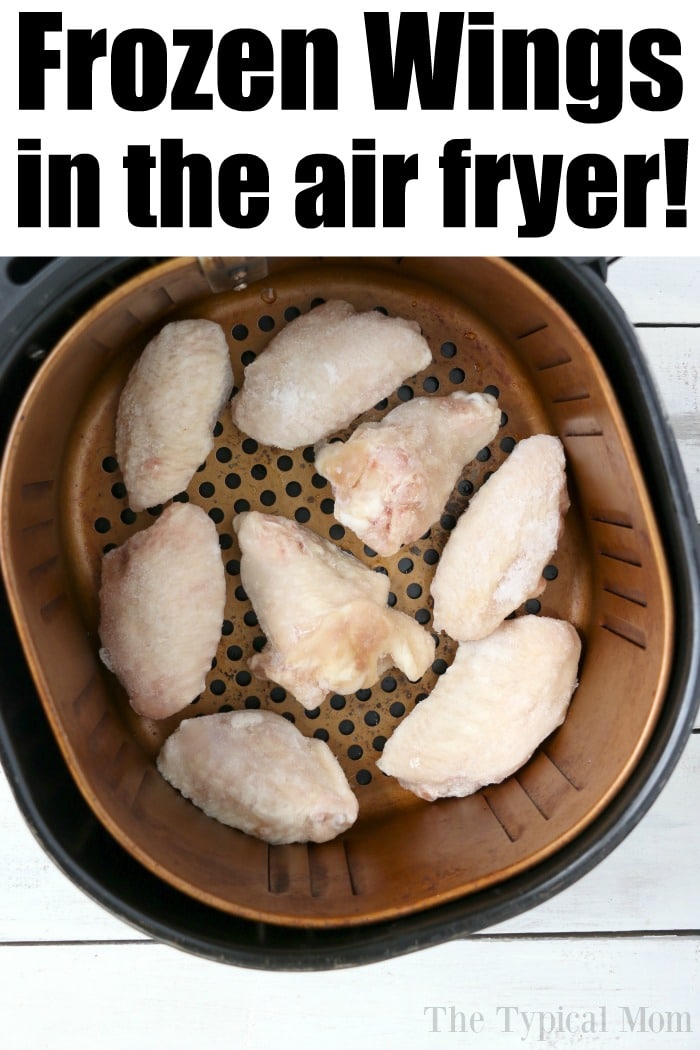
point(161, 610)
point(391, 479)
point(493, 706)
point(324, 613)
point(255, 771)
point(323, 370)
point(172, 398)
point(494, 558)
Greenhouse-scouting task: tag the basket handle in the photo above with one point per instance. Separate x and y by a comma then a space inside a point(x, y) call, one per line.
point(598, 264)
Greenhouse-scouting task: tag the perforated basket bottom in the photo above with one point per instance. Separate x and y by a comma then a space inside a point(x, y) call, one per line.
point(64, 503)
point(240, 475)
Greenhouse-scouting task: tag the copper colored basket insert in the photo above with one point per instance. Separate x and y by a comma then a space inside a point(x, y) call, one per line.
point(64, 503)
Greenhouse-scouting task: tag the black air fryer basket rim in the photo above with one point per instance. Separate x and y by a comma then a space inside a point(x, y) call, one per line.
point(32, 317)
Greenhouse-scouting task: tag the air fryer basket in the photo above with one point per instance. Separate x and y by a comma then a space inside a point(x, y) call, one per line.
point(423, 871)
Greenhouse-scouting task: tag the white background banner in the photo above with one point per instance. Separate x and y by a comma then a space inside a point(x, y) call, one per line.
point(400, 128)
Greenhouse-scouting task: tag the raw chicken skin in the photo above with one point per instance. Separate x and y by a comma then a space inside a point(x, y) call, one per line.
point(325, 614)
point(161, 610)
point(173, 396)
point(323, 370)
point(254, 771)
point(391, 479)
point(493, 706)
point(494, 558)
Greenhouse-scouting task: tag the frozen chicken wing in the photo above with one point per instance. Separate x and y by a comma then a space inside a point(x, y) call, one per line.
point(161, 610)
point(173, 396)
point(323, 370)
point(325, 615)
point(494, 558)
point(254, 770)
point(392, 479)
point(493, 706)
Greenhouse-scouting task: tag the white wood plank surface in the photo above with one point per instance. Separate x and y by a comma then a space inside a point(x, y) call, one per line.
point(639, 994)
point(657, 290)
point(674, 356)
point(624, 939)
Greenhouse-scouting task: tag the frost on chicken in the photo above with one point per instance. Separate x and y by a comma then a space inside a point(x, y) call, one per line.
point(161, 608)
point(324, 614)
point(494, 705)
point(173, 396)
point(391, 479)
point(254, 770)
point(494, 558)
point(324, 369)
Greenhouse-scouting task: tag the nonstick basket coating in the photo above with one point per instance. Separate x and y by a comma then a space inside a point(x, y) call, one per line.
point(489, 327)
